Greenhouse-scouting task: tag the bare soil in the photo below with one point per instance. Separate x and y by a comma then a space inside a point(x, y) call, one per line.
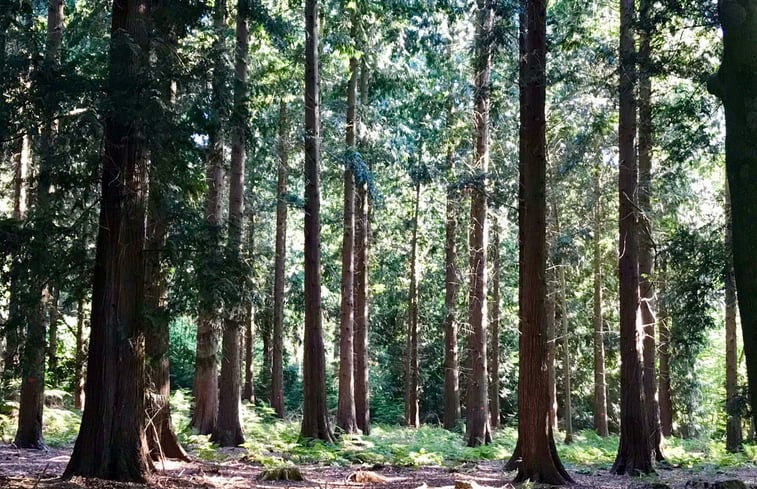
point(31, 469)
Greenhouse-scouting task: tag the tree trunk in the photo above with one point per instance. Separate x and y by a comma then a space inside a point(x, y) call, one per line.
point(452, 286)
point(477, 416)
point(646, 243)
point(79, 356)
point(205, 389)
point(277, 380)
point(315, 422)
point(735, 84)
point(362, 243)
point(550, 311)
point(535, 454)
point(600, 384)
point(412, 414)
point(665, 397)
point(228, 429)
point(41, 296)
point(248, 389)
point(566, 363)
point(734, 436)
point(346, 415)
point(111, 442)
point(634, 455)
point(494, 320)
point(52, 336)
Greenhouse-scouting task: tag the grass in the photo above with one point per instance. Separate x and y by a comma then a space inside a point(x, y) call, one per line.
point(274, 443)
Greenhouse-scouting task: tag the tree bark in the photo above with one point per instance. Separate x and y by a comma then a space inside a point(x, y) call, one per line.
point(734, 436)
point(477, 415)
point(494, 320)
point(205, 389)
point(346, 415)
point(735, 84)
point(535, 454)
point(248, 388)
point(452, 286)
point(412, 414)
point(362, 244)
point(277, 379)
point(600, 384)
point(566, 363)
point(228, 429)
point(79, 356)
point(315, 423)
point(550, 311)
point(634, 455)
point(52, 336)
point(111, 442)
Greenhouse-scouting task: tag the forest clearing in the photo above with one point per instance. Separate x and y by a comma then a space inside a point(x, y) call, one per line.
point(403, 243)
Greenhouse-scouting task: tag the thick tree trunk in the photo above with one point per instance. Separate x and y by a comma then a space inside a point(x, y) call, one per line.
point(228, 429)
point(412, 414)
point(42, 298)
point(362, 243)
point(111, 442)
point(494, 320)
point(600, 384)
point(646, 243)
point(535, 454)
point(205, 388)
point(734, 436)
point(315, 422)
point(477, 405)
point(277, 379)
point(736, 84)
point(345, 414)
point(634, 455)
point(452, 286)
point(665, 396)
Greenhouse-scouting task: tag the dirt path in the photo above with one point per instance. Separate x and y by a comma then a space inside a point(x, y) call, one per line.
point(30, 469)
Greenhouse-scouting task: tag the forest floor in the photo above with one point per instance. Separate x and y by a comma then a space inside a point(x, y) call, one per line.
point(31, 469)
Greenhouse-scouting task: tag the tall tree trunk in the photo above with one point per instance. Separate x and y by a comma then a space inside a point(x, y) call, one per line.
point(228, 429)
point(362, 243)
point(452, 286)
point(535, 454)
point(111, 442)
point(315, 423)
point(477, 415)
point(52, 336)
point(665, 396)
point(412, 414)
point(494, 320)
point(734, 437)
point(550, 311)
point(277, 380)
point(345, 414)
point(205, 388)
point(735, 83)
point(600, 384)
point(646, 243)
point(566, 363)
point(634, 455)
point(29, 434)
point(79, 356)
point(248, 388)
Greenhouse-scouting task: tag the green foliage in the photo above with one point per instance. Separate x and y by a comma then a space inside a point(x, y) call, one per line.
point(181, 352)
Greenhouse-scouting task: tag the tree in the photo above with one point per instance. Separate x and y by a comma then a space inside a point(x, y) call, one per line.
point(412, 409)
point(535, 454)
point(362, 246)
point(735, 85)
point(228, 430)
point(734, 439)
point(42, 299)
point(277, 378)
point(315, 423)
point(600, 384)
point(477, 416)
point(451, 287)
point(111, 442)
point(565, 333)
point(646, 241)
point(346, 415)
point(634, 455)
point(248, 388)
point(205, 388)
point(494, 320)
